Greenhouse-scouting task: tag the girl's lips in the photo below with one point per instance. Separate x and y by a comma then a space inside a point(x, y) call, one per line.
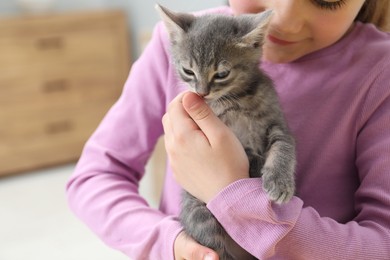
point(279, 41)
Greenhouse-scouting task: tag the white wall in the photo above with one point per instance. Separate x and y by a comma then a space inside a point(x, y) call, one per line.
point(141, 13)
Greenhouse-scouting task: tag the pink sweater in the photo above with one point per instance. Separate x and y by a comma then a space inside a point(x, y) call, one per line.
point(337, 103)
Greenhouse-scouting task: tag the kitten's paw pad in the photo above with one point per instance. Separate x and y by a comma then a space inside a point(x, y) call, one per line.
point(279, 189)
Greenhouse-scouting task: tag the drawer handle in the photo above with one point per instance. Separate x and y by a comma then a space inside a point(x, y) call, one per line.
point(50, 43)
point(59, 85)
point(59, 127)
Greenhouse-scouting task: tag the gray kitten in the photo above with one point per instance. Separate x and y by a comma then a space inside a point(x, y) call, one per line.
point(218, 56)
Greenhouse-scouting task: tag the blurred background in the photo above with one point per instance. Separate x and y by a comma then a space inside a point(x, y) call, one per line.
point(63, 63)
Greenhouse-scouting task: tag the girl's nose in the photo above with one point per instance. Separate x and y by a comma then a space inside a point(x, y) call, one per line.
point(289, 16)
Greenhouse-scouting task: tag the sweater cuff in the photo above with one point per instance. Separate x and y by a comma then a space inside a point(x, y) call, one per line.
point(247, 215)
point(172, 232)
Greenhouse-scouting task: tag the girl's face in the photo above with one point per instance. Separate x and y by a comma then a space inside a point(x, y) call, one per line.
point(299, 27)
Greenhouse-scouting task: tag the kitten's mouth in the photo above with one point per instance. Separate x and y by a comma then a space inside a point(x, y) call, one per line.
point(204, 96)
point(209, 96)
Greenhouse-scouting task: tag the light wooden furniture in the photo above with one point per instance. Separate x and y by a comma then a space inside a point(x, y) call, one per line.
point(59, 75)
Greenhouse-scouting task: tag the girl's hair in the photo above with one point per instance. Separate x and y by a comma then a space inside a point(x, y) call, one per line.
point(376, 12)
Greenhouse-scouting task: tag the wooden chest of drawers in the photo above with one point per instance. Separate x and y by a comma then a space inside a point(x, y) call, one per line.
point(59, 74)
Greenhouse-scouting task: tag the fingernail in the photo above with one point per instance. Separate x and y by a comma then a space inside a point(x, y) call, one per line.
point(208, 257)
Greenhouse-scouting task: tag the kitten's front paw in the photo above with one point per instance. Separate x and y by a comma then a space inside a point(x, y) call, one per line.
point(279, 187)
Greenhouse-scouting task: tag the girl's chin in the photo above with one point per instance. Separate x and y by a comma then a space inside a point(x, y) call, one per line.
point(280, 55)
point(278, 59)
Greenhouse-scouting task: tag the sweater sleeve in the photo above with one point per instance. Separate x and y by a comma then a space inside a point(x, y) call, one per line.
point(293, 231)
point(103, 190)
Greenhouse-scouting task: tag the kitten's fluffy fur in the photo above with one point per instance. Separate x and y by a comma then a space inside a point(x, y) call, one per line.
point(218, 56)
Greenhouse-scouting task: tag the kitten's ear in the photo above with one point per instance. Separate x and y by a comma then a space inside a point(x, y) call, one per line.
point(176, 23)
point(255, 38)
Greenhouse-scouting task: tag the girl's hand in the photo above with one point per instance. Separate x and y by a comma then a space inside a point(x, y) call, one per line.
point(186, 248)
point(204, 153)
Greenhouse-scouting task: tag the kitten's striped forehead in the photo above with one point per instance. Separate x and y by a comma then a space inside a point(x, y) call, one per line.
point(202, 59)
point(207, 39)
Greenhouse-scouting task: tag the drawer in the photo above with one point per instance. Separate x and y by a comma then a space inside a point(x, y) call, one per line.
point(46, 139)
point(54, 50)
point(32, 93)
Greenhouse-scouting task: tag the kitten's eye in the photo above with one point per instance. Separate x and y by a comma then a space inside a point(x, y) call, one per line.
point(222, 74)
point(188, 72)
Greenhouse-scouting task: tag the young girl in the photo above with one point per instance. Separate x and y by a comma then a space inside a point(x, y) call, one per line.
point(330, 61)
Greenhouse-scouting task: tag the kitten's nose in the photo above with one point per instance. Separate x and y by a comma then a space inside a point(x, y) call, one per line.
point(202, 92)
